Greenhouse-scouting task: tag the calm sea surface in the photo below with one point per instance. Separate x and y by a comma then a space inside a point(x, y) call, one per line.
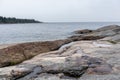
point(17, 33)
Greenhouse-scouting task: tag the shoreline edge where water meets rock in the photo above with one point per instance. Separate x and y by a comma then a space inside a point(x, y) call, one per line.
point(88, 55)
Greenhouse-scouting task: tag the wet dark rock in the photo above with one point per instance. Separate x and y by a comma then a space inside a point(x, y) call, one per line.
point(71, 72)
point(75, 71)
point(84, 31)
point(88, 37)
point(6, 63)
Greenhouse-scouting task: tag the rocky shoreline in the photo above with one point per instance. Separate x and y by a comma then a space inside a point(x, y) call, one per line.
point(88, 55)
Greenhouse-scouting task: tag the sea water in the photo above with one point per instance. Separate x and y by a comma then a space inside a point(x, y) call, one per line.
point(18, 33)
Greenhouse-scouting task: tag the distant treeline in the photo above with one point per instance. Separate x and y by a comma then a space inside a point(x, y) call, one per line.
point(6, 20)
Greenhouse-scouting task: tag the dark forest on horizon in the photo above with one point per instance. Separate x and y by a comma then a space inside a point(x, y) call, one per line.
point(11, 20)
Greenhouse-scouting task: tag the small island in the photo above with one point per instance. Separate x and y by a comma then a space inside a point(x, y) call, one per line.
point(12, 20)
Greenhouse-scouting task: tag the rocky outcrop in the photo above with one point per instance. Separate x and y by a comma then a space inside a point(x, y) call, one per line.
point(16, 54)
point(110, 33)
point(90, 56)
point(20, 52)
point(115, 28)
point(70, 62)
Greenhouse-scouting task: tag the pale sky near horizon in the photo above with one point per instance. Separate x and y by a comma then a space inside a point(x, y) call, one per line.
point(62, 10)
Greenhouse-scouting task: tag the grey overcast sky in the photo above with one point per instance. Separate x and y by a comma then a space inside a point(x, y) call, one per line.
point(62, 10)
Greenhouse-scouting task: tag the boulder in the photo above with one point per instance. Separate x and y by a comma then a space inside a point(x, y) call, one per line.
point(16, 54)
point(109, 27)
point(106, 31)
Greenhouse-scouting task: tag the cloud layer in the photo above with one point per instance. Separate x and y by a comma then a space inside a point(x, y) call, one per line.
point(62, 10)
